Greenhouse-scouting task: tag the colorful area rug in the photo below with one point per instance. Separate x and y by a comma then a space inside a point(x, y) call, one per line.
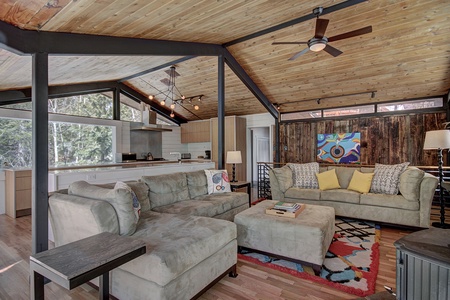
point(351, 263)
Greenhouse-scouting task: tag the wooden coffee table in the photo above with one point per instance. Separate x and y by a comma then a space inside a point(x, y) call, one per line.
point(304, 239)
point(76, 263)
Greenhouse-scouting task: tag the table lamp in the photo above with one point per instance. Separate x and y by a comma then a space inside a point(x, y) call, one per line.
point(234, 157)
point(439, 140)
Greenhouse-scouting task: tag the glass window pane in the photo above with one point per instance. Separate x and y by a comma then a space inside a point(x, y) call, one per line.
point(21, 106)
point(91, 105)
point(130, 110)
point(348, 111)
point(301, 115)
point(410, 105)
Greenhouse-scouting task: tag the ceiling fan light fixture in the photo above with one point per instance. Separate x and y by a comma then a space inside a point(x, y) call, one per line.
point(317, 45)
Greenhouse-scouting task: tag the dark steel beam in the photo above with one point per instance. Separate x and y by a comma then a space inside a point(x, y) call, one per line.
point(311, 16)
point(129, 92)
point(151, 70)
point(39, 206)
point(59, 43)
point(221, 112)
point(277, 141)
point(243, 76)
point(116, 104)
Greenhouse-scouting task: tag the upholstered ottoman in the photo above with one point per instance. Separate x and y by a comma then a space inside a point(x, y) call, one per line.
point(304, 239)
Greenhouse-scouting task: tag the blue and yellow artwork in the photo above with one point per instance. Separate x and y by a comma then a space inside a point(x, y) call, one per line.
point(339, 148)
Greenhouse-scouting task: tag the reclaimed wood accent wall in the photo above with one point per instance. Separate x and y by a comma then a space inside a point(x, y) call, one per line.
point(386, 139)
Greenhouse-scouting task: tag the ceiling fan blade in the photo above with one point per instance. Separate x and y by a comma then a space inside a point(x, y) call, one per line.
point(350, 34)
point(298, 54)
point(289, 43)
point(321, 27)
point(331, 50)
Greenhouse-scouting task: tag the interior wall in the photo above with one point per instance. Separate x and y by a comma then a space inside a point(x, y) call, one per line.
point(389, 139)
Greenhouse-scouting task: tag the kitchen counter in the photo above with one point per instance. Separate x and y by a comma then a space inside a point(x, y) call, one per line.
point(62, 178)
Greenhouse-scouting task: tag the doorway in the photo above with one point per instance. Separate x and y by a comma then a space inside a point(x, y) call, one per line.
point(260, 149)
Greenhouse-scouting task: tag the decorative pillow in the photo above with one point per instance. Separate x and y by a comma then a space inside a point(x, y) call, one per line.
point(304, 175)
point(136, 204)
point(284, 177)
point(409, 184)
point(360, 182)
point(120, 199)
point(218, 181)
point(328, 180)
point(386, 178)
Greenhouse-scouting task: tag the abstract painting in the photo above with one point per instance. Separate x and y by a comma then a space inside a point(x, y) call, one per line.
point(339, 148)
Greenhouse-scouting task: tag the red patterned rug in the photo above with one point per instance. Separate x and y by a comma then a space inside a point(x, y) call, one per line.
point(351, 264)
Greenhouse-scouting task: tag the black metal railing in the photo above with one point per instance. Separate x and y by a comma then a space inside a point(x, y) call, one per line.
point(264, 191)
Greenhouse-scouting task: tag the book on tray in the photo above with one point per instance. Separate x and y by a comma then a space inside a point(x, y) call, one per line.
point(287, 206)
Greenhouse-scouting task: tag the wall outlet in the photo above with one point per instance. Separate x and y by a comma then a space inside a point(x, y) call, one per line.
point(91, 176)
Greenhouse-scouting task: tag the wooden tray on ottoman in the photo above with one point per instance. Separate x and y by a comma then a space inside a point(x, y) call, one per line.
point(287, 214)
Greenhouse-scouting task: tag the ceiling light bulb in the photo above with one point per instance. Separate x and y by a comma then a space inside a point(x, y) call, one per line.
point(172, 115)
point(151, 97)
point(172, 106)
point(200, 98)
point(196, 107)
point(317, 46)
point(183, 97)
point(163, 102)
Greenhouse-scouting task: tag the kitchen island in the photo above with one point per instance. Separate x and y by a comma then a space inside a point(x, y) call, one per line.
point(62, 178)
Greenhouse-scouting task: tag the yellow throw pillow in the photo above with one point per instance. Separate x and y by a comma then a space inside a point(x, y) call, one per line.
point(328, 180)
point(360, 182)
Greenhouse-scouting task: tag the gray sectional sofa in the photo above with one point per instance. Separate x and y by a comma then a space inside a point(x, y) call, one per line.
point(410, 207)
point(190, 240)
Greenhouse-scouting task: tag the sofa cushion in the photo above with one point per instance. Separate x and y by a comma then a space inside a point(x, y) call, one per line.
point(344, 175)
point(197, 183)
point(360, 182)
point(328, 180)
point(167, 189)
point(304, 175)
point(340, 195)
point(176, 243)
point(218, 181)
point(299, 193)
point(284, 177)
point(386, 178)
point(138, 187)
point(120, 199)
point(409, 184)
point(394, 201)
point(136, 204)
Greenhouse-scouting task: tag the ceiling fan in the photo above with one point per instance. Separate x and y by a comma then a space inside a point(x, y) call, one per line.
point(320, 41)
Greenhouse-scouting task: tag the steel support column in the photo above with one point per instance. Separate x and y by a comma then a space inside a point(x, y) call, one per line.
point(39, 206)
point(277, 140)
point(221, 112)
point(116, 104)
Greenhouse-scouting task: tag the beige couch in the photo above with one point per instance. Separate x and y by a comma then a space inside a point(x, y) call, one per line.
point(189, 247)
point(411, 207)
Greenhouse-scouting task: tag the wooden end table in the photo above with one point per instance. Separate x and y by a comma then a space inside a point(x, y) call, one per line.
point(78, 262)
point(241, 184)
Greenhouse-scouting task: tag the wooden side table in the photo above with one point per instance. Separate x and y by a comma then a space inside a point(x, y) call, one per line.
point(76, 263)
point(241, 184)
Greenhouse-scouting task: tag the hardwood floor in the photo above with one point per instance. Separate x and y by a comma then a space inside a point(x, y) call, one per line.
point(253, 282)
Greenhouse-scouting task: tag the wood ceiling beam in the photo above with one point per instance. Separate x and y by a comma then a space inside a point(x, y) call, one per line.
point(326, 10)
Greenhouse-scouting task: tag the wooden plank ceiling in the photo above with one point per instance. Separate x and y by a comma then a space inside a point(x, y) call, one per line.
point(406, 56)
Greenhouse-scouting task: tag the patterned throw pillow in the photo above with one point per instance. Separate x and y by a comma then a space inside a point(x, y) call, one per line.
point(136, 204)
point(218, 181)
point(386, 178)
point(305, 175)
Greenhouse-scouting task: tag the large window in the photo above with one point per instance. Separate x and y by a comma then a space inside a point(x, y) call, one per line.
point(68, 144)
point(410, 105)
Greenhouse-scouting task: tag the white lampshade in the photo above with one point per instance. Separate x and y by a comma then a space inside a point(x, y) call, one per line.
point(234, 157)
point(437, 139)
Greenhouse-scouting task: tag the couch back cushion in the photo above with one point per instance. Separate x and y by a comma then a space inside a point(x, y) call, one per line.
point(284, 177)
point(167, 189)
point(344, 175)
point(409, 184)
point(197, 184)
point(120, 199)
point(305, 175)
point(138, 187)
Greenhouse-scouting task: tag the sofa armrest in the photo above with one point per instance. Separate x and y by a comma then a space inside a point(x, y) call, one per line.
point(427, 189)
point(73, 217)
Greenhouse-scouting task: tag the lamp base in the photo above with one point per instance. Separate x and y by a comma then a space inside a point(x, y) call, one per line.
point(440, 225)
